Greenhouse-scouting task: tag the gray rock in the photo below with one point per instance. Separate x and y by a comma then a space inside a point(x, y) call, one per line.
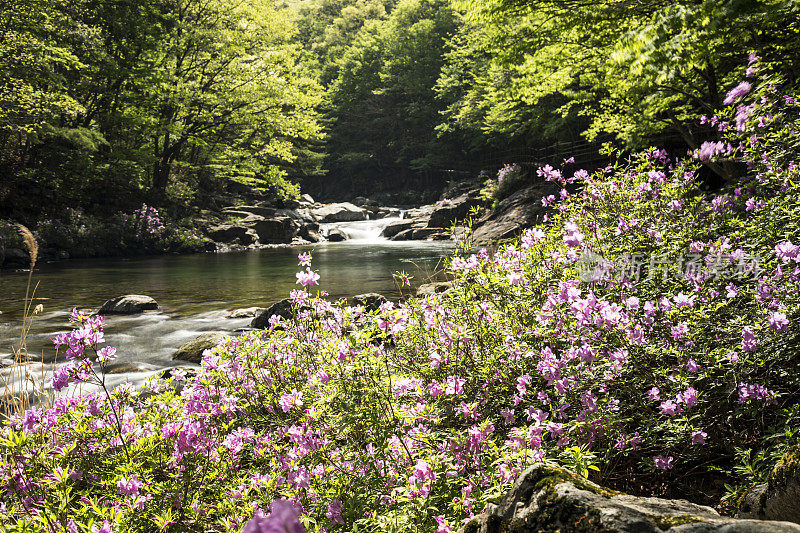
point(310, 233)
point(232, 234)
point(343, 212)
point(16, 258)
point(130, 304)
point(433, 288)
point(236, 214)
point(249, 220)
point(278, 230)
point(546, 498)
point(192, 351)
point(420, 234)
point(245, 312)
point(416, 233)
point(336, 235)
point(306, 198)
point(396, 227)
point(779, 497)
point(301, 216)
point(371, 301)
point(250, 210)
point(283, 309)
point(521, 210)
point(447, 212)
point(421, 214)
point(386, 212)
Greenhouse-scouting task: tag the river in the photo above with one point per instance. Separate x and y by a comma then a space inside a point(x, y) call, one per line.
point(196, 291)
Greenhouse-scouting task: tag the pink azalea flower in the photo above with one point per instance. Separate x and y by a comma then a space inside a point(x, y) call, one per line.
point(664, 463)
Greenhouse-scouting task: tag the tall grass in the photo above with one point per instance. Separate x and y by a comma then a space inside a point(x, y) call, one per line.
point(23, 386)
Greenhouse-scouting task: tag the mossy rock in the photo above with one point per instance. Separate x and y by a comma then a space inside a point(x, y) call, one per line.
point(550, 499)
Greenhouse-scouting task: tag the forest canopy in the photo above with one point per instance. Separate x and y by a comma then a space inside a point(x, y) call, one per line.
point(176, 101)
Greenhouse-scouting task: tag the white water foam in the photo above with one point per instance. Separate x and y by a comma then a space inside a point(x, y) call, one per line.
point(362, 231)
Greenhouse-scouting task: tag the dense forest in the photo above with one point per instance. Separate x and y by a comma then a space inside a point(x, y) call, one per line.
point(110, 103)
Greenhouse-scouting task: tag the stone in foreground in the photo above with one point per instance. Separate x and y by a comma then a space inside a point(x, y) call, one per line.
point(429, 289)
point(283, 309)
point(192, 351)
point(779, 498)
point(549, 499)
point(130, 304)
point(371, 301)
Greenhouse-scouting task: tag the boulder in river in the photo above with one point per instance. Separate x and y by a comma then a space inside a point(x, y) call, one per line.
point(130, 304)
point(393, 228)
point(192, 351)
point(16, 258)
point(336, 235)
point(418, 233)
point(283, 309)
point(342, 212)
point(779, 497)
point(546, 498)
point(245, 312)
point(371, 301)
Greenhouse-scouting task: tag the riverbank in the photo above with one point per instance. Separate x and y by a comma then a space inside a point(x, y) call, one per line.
point(247, 224)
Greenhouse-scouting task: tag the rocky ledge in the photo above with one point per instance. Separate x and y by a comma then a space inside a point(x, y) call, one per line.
point(779, 497)
point(550, 499)
point(520, 210)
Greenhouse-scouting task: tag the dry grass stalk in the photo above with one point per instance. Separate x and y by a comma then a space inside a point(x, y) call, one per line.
point(22, 387)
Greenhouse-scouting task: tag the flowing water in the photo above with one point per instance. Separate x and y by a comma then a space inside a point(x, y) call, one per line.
point(196, 291)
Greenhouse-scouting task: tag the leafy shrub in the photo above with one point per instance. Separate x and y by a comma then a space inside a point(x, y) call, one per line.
point(509, 179)
point(143, 231)
point(598, 341)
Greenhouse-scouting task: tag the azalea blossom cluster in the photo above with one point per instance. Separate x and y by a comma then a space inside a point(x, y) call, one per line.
point(421, 412)
point(507, 171)
point(82, 351)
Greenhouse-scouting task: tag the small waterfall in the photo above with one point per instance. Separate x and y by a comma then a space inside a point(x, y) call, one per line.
point(363, 231)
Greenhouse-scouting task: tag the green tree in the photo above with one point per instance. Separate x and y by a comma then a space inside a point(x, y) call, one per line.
point(634, 70)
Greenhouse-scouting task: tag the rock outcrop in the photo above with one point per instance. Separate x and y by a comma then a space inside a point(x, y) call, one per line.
point(779, 497)
point(520, 210)
point(192, 351)
point(393, 228)
point(245, 210)
point(549, 499)
point(130, 304)
point(232, 234)
point(277, 230)
point(446, 212)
